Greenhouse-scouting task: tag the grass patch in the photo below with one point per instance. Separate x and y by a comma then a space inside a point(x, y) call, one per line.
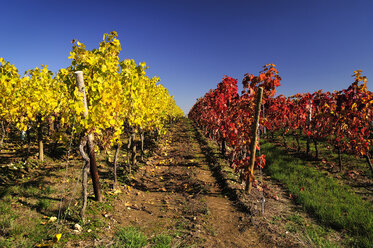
point(18, 231)
point(30, 191)
point(43, 204)
point(333, 204)
point(161, 241)
point(317, 236)
point(47, 190)
point(130, 237)
point(326, 151)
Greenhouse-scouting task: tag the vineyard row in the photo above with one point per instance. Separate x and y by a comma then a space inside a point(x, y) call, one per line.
point(343, 119)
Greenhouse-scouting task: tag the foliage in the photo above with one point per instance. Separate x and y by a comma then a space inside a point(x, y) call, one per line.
point(229, 116)
point(343, 118)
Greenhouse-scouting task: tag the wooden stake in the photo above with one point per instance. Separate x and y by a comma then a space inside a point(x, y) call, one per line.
point(369, 162)
point(83, 143)
point(249, 183)
point(2, 133)
point(308, 126)
point(142, 144)
point(91, 151)
point(115, 165)
point(40, 139)
point(41, 145)
point(133, 153)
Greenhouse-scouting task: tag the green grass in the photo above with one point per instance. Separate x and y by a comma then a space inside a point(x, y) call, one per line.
point(17, 231)
point(327, 152)
point(130, 237)
point(317, 235)
point(161, 241)
point(47, 190)
point(43, 204)
point(333, 204)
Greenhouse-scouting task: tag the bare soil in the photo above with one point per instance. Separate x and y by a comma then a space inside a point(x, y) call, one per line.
point(176, 192)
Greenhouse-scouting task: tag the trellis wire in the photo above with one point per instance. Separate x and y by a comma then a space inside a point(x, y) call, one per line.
point(60, 224)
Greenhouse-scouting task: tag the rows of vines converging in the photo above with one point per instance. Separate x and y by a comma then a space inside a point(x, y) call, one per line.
point(343, 119)
point(122, 100)
point(228, 117)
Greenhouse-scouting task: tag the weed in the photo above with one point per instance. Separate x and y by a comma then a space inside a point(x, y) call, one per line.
point(43, 204)
point(275, 219)
point(4, 207)
point(16, 230)
point(297, 219)
point(317, 236)
point(30, 191)
point(290, 227)
point(162, 241)
point(15, 190)
point(47, 190)
point(5, 224)
point(130, 237)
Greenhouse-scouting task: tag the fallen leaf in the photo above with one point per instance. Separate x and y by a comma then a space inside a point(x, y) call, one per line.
point(52, 219)
point(117, 191)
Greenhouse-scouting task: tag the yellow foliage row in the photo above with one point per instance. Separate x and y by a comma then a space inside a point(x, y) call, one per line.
point(119, 94)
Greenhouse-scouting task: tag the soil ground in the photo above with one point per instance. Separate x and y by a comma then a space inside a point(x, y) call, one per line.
point(176, 192)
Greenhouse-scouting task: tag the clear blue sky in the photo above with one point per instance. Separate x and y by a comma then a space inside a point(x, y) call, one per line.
point(192, 44)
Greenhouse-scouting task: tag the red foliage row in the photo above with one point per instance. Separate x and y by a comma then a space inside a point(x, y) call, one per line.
point(228, 116)
point(342, 118)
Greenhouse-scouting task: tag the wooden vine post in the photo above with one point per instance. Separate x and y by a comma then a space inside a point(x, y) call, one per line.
point(2, 133)
point(369, 162)
point(264, 116)
point(90, 144)
point(308, 126)
point(142, 143)
point(40, 139)
point(117, 149)
point(249, 183)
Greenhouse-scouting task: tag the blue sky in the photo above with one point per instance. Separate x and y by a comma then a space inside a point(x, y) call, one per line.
point(192, 44)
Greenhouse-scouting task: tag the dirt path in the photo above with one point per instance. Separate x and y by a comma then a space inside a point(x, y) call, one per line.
point(176, 193)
